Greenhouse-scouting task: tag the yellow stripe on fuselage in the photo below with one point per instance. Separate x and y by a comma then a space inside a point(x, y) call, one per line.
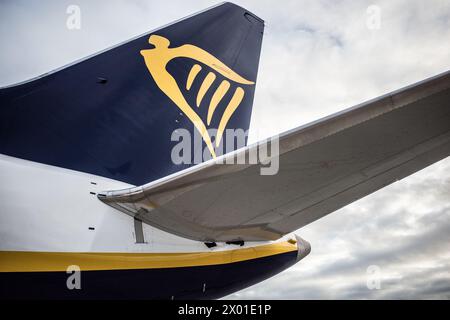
point(31, 261)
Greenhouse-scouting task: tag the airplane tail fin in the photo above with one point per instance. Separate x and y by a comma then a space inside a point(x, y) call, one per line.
point(114, 113)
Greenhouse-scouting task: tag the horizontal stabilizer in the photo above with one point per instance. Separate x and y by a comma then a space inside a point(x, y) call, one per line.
point(323, 166)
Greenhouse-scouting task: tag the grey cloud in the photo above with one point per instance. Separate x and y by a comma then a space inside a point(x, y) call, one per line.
point(410, 246)
point(318, 58)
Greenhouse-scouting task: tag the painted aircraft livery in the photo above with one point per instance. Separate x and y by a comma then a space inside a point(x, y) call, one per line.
point(92, 205)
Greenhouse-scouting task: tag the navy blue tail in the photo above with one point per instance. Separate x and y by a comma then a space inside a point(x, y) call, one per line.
point(113, 114)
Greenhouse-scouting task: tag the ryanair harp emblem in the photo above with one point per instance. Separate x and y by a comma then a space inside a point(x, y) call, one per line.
point(156, 60)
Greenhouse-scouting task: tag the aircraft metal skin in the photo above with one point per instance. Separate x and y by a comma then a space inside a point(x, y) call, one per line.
point(104, 123)
point(86, 148)
point(73, 119)
point(323, 166)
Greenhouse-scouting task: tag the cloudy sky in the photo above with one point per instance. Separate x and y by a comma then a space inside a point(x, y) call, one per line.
point(318, 57)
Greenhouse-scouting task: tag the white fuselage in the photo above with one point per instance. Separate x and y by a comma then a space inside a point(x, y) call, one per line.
point(52, 221)
point(46, 208)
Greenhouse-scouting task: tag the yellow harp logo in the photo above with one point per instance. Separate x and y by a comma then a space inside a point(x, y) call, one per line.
point(156, 60)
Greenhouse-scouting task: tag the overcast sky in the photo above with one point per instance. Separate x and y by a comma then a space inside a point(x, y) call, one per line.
point(318, 57)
